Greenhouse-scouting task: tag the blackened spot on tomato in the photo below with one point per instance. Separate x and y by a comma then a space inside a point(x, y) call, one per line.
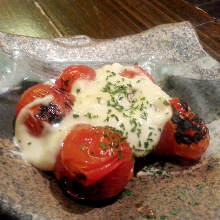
point(68, 103)
point(185, 124)
point(66, 82)
point(80, 176)
point(51, 113)
point(184, 105)
point(76, 190)
point(175, 118)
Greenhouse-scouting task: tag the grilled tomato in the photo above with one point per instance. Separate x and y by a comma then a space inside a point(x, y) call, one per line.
point(185, 135)
point(94, 163)
point(53, 112)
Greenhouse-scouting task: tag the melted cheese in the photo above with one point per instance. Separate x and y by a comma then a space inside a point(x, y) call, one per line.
point(136, 107)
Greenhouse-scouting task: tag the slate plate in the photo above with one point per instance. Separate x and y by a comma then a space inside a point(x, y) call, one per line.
point(161, 189)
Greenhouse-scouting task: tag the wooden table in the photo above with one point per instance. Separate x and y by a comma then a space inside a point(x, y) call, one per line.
point(104, 18)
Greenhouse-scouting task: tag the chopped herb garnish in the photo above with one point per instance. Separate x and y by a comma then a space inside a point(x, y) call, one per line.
point(175, 211)
point(122, 126)
point(114, 116)
point(90, 115)
point(82, 147)
point(119, 154)
point(138, 132)
point(146, 144)
point(123, 139)
point(183, 192)
point(98, 99)
point(126, 192)
point(106, 135)
point(144, 115)
point(78, 91)
point(195, 203)
point(165, 102)
point(200, 186)
point(139, 143)
point(103, 146)
point(75, 116)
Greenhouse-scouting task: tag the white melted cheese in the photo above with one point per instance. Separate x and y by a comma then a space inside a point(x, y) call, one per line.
point(136, 107)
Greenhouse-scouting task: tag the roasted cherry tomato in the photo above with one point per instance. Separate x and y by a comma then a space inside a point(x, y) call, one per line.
point(185, 135)
point(94, 163)
point(137, 72)
point(52, 113)
point(71, 74)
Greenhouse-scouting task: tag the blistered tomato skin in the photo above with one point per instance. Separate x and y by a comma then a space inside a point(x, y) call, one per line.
point(95, 163)
point(69, 75)
point(52, 113)
point(185, 135)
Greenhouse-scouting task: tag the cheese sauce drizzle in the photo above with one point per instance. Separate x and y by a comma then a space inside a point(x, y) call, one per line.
point(137, 108)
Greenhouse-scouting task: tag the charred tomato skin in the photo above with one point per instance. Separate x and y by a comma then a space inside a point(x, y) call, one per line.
point(71, 74)
point(94, 163)
point(185, 135)
point(52, 113)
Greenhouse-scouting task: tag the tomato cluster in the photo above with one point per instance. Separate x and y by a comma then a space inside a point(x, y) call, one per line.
point(96, 163)
point(85, 159)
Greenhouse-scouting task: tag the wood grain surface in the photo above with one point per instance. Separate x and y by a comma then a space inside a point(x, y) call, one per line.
point(212, 7)
point(22, 17)
point(106, 18)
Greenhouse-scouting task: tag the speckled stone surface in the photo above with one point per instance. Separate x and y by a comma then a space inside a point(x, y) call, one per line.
point(162, 190)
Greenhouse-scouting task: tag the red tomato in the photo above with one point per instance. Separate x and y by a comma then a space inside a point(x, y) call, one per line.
point(52, 113)
point(37, 91)
point(71, 74)
point(95, 158)
point(185, 135)
point(139, 71)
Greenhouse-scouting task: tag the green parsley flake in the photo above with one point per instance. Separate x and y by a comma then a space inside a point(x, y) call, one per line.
point(175, 211)
point(165, 102)
point(103, 146)
point(144, 115)
point(90, 115)
point(75, 116)
point(82, 147)
point(119, 154)
point(98, 99)
point(183, 192)
point(146, 144)
point(78, 91)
